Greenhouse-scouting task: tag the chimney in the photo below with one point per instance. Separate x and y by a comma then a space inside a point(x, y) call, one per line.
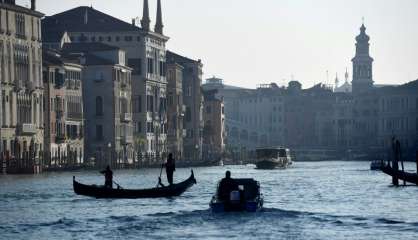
point(133, 21)
point(33, 5)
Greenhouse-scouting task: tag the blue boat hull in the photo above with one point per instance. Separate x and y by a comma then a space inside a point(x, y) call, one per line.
point(248, 206)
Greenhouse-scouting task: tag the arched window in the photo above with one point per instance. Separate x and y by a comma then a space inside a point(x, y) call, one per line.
point(99, 106)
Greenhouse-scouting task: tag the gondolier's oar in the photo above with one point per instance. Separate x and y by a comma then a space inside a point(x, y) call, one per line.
point(159, 178)
point(119, 187)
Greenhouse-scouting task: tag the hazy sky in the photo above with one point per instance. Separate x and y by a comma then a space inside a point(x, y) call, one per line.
point(247, 42)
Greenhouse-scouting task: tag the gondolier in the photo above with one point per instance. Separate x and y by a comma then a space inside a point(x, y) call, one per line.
point(108, 177)
point(170, 167)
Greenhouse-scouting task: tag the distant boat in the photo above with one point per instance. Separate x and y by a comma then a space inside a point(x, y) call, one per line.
point(274, 157)
point(247, 198)
point(158, 192)
point(376, 165)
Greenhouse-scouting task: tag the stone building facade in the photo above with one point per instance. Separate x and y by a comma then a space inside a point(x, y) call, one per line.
point(398, 117)
point(21, 86)
point(145, 54)
point(107, 103)
point(214, 126)
point(63, 113)
point(175, 110)
point(193, 100)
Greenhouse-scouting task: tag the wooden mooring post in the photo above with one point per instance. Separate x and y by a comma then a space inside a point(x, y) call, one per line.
point(416, 160)
point(401, 159)
point(395, 165)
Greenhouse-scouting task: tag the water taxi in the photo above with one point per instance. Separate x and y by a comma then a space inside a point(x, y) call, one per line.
point(273, 157)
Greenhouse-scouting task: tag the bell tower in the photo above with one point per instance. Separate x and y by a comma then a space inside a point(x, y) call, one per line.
point(362, 64)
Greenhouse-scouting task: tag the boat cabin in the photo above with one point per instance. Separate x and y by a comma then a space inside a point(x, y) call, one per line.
point(248, 187)
point(277, 152)
point(243, 195)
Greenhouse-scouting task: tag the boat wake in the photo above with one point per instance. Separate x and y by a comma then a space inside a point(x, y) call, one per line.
point(184, 223)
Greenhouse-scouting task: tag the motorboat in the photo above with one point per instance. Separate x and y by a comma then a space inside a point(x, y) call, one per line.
point(273, 157)
point(245, 196)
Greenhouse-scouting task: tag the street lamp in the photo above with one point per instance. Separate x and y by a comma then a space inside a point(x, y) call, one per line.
point(197, 153)
point(109, 146)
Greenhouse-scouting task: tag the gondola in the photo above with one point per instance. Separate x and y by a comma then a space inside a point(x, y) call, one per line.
point(158, 192)
point(402, 175)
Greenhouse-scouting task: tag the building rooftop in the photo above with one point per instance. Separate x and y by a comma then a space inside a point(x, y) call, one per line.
point(92, 60)
point(54, 57)
point(174, 57)
point(85, 19)
point(346, 87)
point(52, 36)
point(410, 87)
point(87, 47)
point(20, 9)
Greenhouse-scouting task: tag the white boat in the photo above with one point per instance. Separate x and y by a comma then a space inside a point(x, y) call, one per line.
point(273, 157)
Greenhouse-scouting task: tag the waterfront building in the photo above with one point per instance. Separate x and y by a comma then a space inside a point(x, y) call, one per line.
point(22, 97)
point(175, 110)
point(398, 117)
point(308, 117)
point(193, 100)
point(214, 126)
point(145, 54)
point(254, 117)
point(343, 121)
point(63, 111)
point(107, 103)
point(277, 116)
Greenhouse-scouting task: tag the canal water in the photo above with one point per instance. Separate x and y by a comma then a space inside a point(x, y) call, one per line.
point(310, 200)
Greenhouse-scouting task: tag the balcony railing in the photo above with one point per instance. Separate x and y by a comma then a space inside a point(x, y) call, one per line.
point(75, 115)
point(126, 117)
point(27, 129)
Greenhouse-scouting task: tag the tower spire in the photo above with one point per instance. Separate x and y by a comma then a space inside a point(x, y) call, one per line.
point(346, 75)
point(362, 63)
point(159, 23)
point(145, 22)
point(337, 81)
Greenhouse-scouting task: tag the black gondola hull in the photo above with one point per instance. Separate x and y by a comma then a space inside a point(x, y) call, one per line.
point(159, 192)
point(401, 175)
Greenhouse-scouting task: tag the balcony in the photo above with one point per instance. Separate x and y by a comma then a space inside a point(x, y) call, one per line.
point(127, 140)
point(60, 138)
point(126, 117)
point(27, 129)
